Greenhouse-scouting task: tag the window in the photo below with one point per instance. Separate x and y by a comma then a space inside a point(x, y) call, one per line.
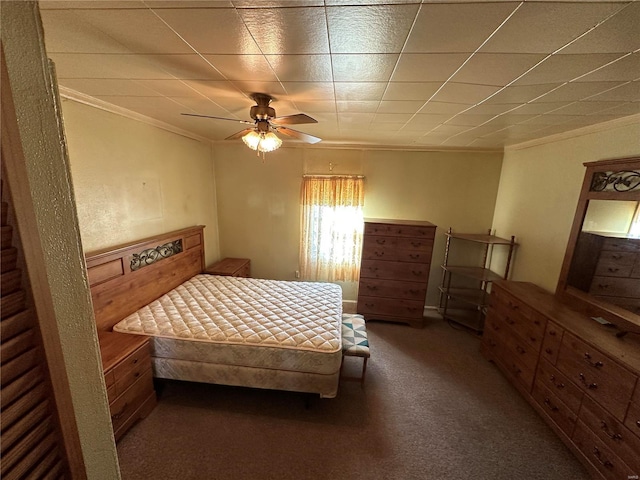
point(332, 223)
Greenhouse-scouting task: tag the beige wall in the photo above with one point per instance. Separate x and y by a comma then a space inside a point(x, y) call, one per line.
point(258, 201)
point(539, 190)
point(133, 180)
point(57, 226)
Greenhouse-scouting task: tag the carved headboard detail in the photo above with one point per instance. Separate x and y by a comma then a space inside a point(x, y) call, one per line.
point(127, 277)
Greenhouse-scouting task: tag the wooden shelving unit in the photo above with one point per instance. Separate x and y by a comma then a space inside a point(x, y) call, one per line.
point(467, 304)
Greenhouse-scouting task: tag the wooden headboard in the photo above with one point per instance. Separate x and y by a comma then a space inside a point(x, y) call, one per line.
point(125, 278)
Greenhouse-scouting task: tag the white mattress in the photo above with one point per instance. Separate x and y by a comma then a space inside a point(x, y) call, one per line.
point(292, 326)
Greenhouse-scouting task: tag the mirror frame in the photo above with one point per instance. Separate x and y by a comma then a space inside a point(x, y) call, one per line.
point(625, 320)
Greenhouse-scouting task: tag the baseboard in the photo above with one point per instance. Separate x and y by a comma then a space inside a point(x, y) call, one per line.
point(351, 306)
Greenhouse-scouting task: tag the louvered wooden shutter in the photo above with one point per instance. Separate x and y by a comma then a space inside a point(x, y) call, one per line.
point(30, 444)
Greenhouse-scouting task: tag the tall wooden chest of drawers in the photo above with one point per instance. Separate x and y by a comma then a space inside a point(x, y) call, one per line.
point(394, 273)
point(581, 378)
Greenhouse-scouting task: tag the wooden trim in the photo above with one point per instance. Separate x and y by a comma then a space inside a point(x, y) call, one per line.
point(18, 182)
point(118, 291)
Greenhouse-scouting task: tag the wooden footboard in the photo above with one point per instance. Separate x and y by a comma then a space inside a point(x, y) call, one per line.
point(125, 278)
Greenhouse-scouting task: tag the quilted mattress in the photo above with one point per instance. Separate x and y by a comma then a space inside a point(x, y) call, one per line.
point(269, 324)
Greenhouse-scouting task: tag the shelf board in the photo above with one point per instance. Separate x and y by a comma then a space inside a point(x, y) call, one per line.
point(470, 319)
point(476, 273)
point(472, 296)
point(481, 238)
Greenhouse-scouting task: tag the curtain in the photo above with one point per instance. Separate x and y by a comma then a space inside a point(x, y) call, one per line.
point(331, 228)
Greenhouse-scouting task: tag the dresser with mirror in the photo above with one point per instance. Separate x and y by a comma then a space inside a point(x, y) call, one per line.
point(575, 354)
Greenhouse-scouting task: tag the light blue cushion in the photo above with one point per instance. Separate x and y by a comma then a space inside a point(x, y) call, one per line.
point(354, 336)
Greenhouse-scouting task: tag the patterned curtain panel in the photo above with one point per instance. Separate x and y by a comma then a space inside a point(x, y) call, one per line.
point(332, 223)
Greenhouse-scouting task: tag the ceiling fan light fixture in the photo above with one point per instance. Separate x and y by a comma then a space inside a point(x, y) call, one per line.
point(252, 140)
point(262, 142)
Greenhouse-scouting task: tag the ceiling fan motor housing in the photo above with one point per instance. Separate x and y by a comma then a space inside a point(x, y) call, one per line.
point(260, 112)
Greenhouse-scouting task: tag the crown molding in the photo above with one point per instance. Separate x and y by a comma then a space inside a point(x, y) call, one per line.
point(578, 132)
point(76, 96)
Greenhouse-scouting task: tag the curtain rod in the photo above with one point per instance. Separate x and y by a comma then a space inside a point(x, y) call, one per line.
point(332, 176)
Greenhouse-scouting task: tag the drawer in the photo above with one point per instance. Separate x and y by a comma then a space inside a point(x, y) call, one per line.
point(390, 307)
point(551, 342)
point(560, 385)
point(608, 383)
point(399, 230)
point(598, 454)
point(525, 353)
point(377, 252)
point(424, 245)
point(615, 264)
point(561, 414)
point(245, 271)
point(131, 399)
point(132, 367)
point(514, 368)
point(411, 272)
point(519, 315)
point(392, 289)
point(614, 286)
point(632, 420)
point(110, 382)
point(524, 327)
point(612, 433)
point(491, 345)
point(621, 244)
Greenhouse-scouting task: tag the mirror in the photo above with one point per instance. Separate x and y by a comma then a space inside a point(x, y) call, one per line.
point(601, 273)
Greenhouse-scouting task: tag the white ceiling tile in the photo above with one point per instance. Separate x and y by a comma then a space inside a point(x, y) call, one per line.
point(369, 29)
point(110, 87)
point(443, 107)
point(546, 26)
point(576, 91)
point(427, 67)
point(583, 108)
point(496, 68)
point(400, 118)
point(618, 34)
point(564, 68)
point(357, 107)
point(169, 88)
point(243, 67)
point(540, 107)
point(67, 33)
point(124, 26)
point(464, 93)
point(522, 93)
point(425, 122)
point(287, 30)
point(84, 4)
point(357, 118)
point(625, 108)
point(212, 31)
point(411, 90)
point(493, 108)
point(402, 106)
point(277, 3)
point(455, 27)
point(629, 92)
point(301, 68)
point(78, 65)
point(275, 89)
point(363, 67)
point(310, 91)
point(469, 120)
point(626, 68)
point(159, 4)
point(188, 67)
point(315, 107)
point(359, 91)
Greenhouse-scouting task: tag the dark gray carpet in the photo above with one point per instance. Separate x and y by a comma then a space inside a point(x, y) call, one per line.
point(432, 408)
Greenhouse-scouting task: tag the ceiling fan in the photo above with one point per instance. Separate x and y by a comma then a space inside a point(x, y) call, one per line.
point(260, 136)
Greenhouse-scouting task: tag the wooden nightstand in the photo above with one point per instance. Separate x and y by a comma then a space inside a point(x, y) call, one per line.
point(126, 362)
point(231, 267)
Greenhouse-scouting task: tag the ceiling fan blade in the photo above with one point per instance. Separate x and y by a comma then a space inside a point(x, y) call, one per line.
point(298, 118)
point(239, 134)
point(299, 135)
point(218, 118)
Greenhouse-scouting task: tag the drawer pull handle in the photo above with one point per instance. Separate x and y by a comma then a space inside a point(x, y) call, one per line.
point(590, 386)
point(372, 287)
point(509, 321)
point(613, 270)
point(548, 351)
point(370, 305)
point(399, 231)
point(379, 254)
point(137, 374)
point(381, 241)
point(416, 244)
point(612, 436)
point(548, 403)
point(414, 255)
point(414, 291)
point(135, 360)
point(520, 350)
point(616, 256)
point(598, 455)
point(587, 357)
point(416, 272)
point(552, 333)
point(373, 269)
point(533, 339)
point(117, 416)
point(603, 286)
point(557, 385)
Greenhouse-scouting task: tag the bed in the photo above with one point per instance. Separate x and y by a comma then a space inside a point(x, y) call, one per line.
point(257, 333)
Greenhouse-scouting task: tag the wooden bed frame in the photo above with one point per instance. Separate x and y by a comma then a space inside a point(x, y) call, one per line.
point(124, 279)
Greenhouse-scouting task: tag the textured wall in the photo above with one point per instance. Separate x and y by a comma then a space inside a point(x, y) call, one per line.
point(56, 221)
point(133, 180)
point(539, 191)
